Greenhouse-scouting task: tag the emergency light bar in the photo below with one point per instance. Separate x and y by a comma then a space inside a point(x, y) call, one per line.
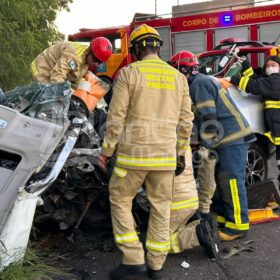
point(227, 19)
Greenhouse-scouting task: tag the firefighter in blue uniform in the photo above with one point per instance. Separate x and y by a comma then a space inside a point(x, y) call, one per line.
point(222, 127)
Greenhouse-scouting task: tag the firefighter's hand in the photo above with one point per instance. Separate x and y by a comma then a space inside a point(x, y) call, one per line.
point(102, 162)
point(245, 65)
point(235, 80)
point(180, 166)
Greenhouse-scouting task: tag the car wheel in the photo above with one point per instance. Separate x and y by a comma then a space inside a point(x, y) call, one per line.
point(256, 166)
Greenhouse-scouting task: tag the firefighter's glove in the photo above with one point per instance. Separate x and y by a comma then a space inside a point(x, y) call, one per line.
point(180, 166)
point(245, 65)
point(235, 80)
point(247, 70)
point(102, 162)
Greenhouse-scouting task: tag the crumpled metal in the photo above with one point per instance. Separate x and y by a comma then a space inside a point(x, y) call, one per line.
point(3, 99)
point(48, 102)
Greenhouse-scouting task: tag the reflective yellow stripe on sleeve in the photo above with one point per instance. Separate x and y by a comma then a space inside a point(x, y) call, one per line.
point(158, 246)
point(108, 145)
point(232, 109)
point(127, 237)
point(120, 172)
point(79, 48)
point(132, 161)
point(183, 144)
point(178, 205)
point(273, 140)
point(187, 147)
point(270, 104)
point(174, 244)
point(243, 83)
point(248, 73)
point(205, 104)
point(34, 68)
point(81, 51)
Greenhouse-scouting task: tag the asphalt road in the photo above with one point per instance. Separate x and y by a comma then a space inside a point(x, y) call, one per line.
point(90, 262)
point(262, 263)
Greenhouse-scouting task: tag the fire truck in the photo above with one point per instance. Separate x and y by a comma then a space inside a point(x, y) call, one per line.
point(197, 33)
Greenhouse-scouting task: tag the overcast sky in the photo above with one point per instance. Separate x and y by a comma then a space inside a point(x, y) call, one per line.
point(106, 13)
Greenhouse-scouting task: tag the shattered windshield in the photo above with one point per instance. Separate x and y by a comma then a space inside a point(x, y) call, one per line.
point(209, 65)
point(48, 102)
point(3, 100)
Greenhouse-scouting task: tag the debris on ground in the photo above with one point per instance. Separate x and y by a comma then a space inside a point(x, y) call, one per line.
point(184, 264)
point(236, 249)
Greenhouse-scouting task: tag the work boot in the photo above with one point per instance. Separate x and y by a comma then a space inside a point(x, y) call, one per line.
point(211, 219)
point(207, 238)
point(196, 216)
point(155, 274)
point(125, 272)
point(226, 236)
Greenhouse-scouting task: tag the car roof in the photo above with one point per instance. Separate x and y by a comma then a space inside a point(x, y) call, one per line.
point(242, 49)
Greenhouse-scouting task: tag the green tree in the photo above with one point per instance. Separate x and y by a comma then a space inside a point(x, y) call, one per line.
point(26, 29)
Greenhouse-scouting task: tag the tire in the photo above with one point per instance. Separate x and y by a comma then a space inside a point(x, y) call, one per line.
point(256, 166)
point(96, 217)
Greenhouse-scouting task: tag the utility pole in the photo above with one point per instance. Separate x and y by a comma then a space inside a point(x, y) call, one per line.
point(178, 2)
point(155, 7)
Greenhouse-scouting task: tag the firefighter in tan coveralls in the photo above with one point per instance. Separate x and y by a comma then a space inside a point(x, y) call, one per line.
point(184, 205)
point(206, 181)
point(190, 203)
point(150, 100)
point(69, 60)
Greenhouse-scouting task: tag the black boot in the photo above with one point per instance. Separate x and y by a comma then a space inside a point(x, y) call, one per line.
point(196, 216)
point(124, 271)
point(155, 274)
point(211, 219)
point(207, 238)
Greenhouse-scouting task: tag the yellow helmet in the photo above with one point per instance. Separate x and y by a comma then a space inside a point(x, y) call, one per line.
point(145, 35)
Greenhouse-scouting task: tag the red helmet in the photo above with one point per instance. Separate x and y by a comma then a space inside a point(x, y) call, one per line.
point(184, 58)
point(101, 48)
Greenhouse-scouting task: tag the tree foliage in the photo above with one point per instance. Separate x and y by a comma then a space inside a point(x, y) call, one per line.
point(26, 29)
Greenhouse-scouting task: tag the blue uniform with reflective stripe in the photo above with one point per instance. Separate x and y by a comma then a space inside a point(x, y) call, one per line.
point(223, 127)
point(216, 113)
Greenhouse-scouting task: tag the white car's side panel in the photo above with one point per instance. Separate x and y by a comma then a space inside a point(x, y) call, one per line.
point(252, 108)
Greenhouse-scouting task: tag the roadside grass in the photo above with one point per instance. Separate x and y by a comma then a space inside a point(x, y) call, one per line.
point(37, 265)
